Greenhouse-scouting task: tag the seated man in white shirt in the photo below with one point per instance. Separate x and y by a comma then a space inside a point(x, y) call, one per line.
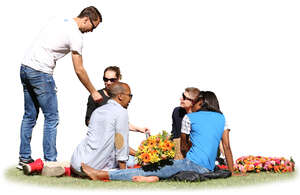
point(106, 143)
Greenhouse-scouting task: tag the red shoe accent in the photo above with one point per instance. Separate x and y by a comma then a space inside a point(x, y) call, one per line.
point(68, 171)
point(134, 166)
point(223, 167)
point(36, 166)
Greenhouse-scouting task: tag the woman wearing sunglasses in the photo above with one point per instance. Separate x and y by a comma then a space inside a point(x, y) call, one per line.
point(111, 74)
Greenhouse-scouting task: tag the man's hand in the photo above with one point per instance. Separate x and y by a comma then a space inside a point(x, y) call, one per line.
point(97, 97)
point(83, 76)
point(144, 130)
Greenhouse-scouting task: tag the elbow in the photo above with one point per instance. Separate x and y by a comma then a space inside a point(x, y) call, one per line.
point(79, 71)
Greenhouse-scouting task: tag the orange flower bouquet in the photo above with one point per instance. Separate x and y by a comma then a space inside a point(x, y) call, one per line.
point(155, 152)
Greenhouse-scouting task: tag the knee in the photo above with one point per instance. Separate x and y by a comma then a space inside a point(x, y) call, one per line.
point(52, 118)
point(30, 117)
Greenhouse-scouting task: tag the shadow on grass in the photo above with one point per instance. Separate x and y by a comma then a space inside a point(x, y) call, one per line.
point(12, 174)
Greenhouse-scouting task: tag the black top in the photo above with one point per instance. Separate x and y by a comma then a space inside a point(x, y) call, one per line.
point(92, 105)
point(177, 116)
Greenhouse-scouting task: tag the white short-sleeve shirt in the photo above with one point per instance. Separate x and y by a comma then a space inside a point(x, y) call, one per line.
point(58, 38)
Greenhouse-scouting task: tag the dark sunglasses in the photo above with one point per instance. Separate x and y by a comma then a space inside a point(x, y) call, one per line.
point(130, 95)
point(111, 80)
point(186, 98)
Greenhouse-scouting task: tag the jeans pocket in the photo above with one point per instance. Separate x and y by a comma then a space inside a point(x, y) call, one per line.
point(42, 83)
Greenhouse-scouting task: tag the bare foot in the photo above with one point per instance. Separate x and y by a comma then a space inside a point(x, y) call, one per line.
point(93, 173)
point(147, 179)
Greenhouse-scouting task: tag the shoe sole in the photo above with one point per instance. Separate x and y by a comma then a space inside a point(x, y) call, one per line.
point(20, 167)
point(53, 171)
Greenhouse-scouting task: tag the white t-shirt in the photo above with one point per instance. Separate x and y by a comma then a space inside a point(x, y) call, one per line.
point(56, 40)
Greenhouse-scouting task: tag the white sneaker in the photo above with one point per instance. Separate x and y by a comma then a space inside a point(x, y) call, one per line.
point(53, 170)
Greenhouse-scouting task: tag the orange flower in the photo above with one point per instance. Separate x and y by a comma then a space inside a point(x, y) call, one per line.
point(151, 143)
point(276, 169)
point(153, 151)
point(145, 157)
point(167, 145)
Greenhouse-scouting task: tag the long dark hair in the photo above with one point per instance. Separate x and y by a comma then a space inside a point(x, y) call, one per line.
point(210, 102)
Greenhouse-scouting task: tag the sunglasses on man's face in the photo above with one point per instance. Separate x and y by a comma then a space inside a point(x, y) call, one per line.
point(130, 95)
point(111, 79)
point(186, 98)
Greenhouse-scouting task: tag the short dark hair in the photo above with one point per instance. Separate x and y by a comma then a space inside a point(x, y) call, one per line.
point(115, 69)
point(91, 12)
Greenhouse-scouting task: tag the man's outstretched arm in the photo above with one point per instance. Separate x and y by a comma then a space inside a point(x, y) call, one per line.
point(83, 76)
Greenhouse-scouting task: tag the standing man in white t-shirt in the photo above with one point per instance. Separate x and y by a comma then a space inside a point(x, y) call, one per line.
point(56, 40)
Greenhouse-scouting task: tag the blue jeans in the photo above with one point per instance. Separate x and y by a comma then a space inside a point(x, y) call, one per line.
point(164, 172)
point(131, 161)
point(39, 92)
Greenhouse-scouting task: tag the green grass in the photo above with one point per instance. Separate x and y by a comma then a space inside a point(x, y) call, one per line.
point(15, 175)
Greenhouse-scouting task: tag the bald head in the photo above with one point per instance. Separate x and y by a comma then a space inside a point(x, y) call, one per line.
point(121, 93)
point(118, 88)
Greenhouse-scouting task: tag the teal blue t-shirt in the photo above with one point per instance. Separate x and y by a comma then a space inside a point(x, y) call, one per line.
point(206, 132)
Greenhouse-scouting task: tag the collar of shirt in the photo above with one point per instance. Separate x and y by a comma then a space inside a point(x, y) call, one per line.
point(114, 102)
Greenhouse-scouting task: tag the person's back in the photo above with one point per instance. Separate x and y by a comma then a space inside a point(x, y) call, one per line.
point(98, 148)
point(177, 116)
point(206, 132)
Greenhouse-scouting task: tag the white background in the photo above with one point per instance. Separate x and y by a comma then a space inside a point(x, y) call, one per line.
point(247, 52)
